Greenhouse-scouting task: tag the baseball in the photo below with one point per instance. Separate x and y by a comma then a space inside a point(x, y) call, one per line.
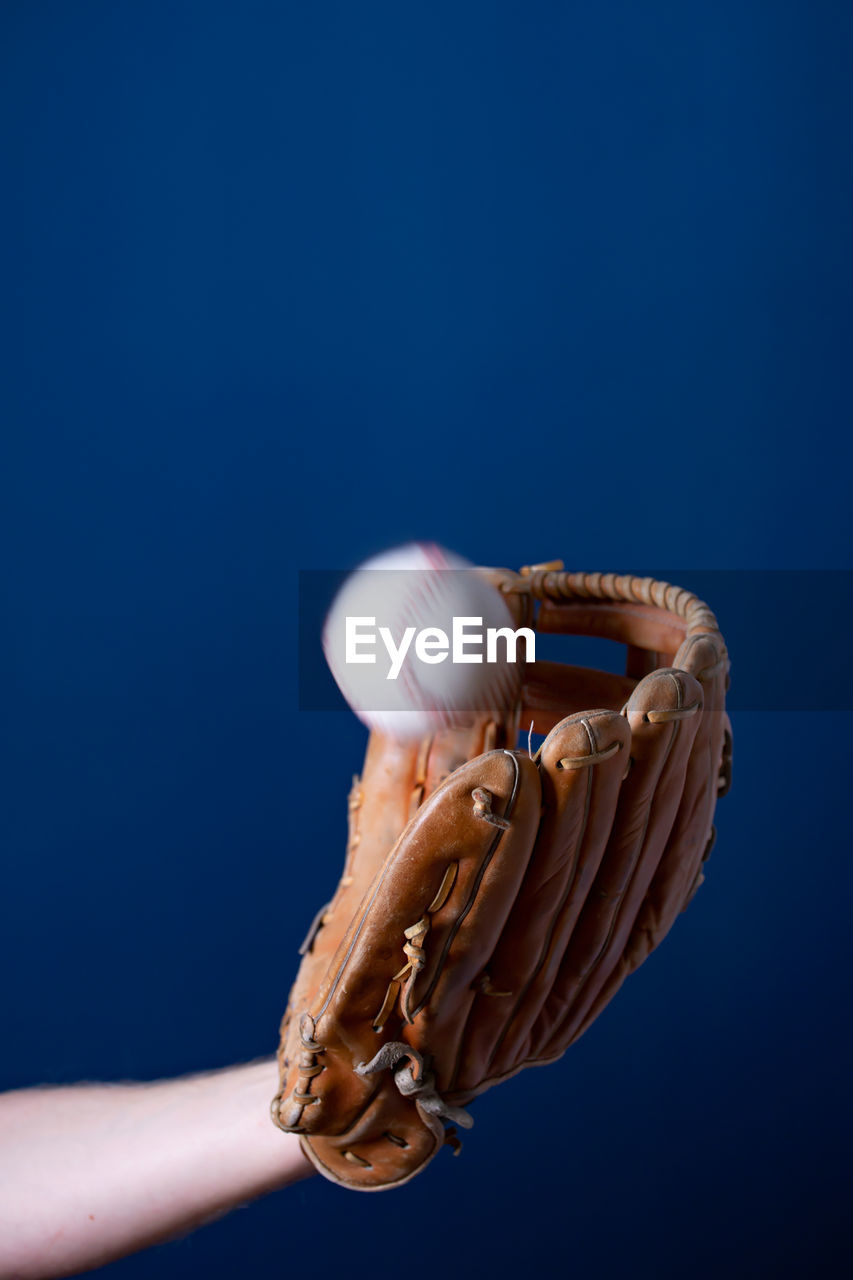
point(418, 639)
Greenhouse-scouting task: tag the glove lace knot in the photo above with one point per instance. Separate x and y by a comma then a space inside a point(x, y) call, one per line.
point(415, 1080)
point(403, 983)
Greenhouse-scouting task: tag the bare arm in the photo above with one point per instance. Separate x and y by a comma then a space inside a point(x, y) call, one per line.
point(91, 1172)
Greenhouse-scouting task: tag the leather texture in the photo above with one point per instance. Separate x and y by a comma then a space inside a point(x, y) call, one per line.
point(492, 901)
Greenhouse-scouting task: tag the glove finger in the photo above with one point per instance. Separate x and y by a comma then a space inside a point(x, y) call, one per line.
point(583, 760)
point(679, 872)
point(416, 941)
point(688, 844)
point(705, 656)
point(663, 713)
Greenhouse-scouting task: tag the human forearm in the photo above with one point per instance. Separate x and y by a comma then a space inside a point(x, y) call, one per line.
point(91, 1172)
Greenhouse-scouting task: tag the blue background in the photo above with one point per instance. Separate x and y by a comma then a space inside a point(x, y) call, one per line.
point(285, 284)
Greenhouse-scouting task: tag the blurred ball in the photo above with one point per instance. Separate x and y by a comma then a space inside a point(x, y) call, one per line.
point(394, 609)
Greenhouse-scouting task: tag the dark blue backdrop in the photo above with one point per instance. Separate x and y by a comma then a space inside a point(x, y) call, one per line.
point(285, 284)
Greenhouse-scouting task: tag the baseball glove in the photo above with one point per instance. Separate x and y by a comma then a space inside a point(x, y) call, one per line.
point(493, 901)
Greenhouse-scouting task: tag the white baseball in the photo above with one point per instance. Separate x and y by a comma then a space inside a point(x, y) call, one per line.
point(418, 586)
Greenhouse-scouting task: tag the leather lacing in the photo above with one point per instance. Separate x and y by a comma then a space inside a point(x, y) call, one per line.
point(595, 757)
point(309, 1067)
point(671, 713)
point(354, 1159)
point(483, 984)
point(551, 582)
point(395, 1138)
point(415, 1080)
point(403, 982)
point(483, 809)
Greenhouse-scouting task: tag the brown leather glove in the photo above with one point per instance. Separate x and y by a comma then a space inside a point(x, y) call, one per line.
point(492, 903)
